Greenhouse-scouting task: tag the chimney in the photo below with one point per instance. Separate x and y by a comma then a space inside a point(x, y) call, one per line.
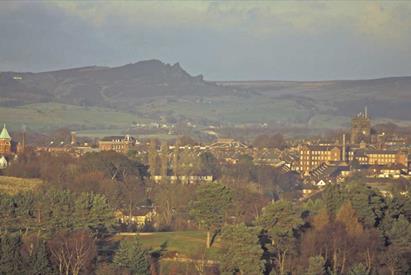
point(344, 157)
point(73, 138)
point(366, 112)
point(23, 139)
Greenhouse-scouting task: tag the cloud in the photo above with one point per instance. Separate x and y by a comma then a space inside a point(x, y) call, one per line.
point(373, 18)
point(221, 39)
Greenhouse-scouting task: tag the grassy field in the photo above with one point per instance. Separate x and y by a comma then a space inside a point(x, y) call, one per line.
point(184, 243)
point(12, 185)
point(53, 115)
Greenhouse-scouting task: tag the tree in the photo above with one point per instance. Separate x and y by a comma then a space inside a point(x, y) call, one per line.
point(73, 252)
point(11, 260)
point(347, 216)
point(176, 157)
point(209, 208)
point(358, 269)
point(36, 256)
point(132, 256)
point(316, 266)
point(208, 165)
point(333, 197)
point(400, 233)
point(92, 211)
point(369, 205)
point(152, 157)
point(241, 250)
point(164, 161)
point(172, 205)
point(280, 221)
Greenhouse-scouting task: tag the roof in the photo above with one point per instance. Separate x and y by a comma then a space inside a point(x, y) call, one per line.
point(381, 152)
point(120, 138)
point(322, 147)
point(4, 133)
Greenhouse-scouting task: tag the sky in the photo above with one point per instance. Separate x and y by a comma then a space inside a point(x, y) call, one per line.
point(223, 40)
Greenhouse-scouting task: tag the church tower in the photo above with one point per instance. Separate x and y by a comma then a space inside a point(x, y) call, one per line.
point(361, 128)
point(5, 142)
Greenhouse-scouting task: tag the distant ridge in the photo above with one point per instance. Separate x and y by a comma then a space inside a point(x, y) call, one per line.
point(154, 89)
point(102, 86)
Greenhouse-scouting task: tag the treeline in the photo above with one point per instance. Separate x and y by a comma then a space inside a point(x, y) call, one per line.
point(352, 229)
point(125, 183)
point(111, 174)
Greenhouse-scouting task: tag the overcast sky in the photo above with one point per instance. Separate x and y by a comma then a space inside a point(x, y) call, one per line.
point(221, 40)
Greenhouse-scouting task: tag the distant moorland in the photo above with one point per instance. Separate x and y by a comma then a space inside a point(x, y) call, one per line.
point(107, 98)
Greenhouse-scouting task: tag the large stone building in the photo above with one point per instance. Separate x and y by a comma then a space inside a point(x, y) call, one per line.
point(312, 156)
point(361, 128)
point(120, 144)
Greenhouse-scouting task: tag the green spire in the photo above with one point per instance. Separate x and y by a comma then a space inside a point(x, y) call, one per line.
point(4, 133)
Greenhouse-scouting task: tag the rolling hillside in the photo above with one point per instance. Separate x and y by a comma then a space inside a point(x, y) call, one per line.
point(103, 97)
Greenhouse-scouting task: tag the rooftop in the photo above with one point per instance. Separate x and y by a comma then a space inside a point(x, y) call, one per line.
point(4, 133)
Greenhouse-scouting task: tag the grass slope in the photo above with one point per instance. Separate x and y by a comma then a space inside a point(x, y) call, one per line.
point(53, 115)
point(12, 185)
point(181, 243)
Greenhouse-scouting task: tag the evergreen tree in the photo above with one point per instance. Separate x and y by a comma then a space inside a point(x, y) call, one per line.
point(209, 207)
point(176, 157)
point(333, 198)
point(358, 269)
point(132, 256)
point(280, 221)
point(164, 161)
point(316, 266)
point(152, 157)
point(241, 250)
point(92, 211)
point(38, 263)
point(10, 258)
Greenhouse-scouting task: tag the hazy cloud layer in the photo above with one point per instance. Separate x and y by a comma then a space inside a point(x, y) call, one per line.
point(222, 40)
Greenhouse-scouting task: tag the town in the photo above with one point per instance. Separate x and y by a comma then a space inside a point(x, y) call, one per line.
point(382, 156)
point(205, 137)
point(153, 185)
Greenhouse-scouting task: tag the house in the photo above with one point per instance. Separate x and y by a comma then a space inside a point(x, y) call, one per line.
point(3, 162)
point(140, 216)
point(183, 179)
point(327, 173)
point(392, 171)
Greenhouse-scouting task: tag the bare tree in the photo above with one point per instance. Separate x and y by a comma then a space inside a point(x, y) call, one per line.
point(73, 252)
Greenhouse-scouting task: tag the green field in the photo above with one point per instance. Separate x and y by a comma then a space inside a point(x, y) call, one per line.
point(184, 243)
point(45, 116)
point(12, 185)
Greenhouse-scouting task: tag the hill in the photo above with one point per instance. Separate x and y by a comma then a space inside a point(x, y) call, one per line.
point(114, 97)
point(119, 87)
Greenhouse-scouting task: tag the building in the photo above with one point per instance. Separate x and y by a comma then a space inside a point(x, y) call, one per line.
point(3, 162)
point(386, 157)
point(120, 144)
point(140, 216)
point(183, 179)
point(312, 156)
point(361, 128)
point(5, 142)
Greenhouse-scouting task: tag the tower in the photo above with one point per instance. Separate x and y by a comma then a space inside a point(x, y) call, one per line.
point(5, 141)
point(361, 128)
point(73, 138)
point(344, 149)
